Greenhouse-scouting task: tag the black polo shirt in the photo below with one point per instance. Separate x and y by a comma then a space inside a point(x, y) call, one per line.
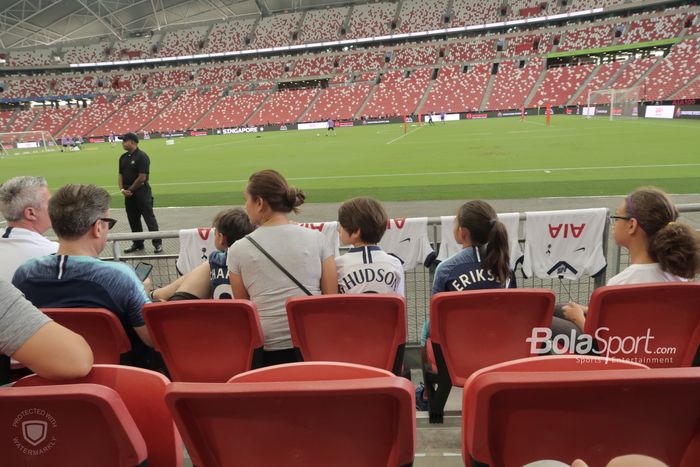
point(131, 165)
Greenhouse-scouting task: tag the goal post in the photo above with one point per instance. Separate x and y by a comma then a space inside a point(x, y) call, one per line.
point(613, 103)
point(27, 142)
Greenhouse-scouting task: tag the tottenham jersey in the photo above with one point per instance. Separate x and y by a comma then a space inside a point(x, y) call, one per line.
point(564, 244)
point(195, 247)
point(368, 269)
point(407, 239)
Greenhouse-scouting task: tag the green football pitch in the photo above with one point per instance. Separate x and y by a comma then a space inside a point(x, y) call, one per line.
point(494, 158)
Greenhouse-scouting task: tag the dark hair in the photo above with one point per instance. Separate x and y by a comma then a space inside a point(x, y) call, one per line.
point(675, 246)
point(365, 214)
point(233, 224)
point(271, 186)
point(485, 229)
point(73, 209)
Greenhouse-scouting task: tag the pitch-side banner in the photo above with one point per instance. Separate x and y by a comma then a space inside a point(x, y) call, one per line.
point(312, 126)
point(436, 118)
point(659, 111)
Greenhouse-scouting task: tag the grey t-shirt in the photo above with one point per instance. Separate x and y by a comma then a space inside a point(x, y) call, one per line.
point(19, 319)
point(301, 251)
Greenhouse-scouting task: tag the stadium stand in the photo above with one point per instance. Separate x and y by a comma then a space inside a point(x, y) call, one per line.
point(283, 107)
point(84, 53)
point(228, 36)
point(691, 91)
point(36, 57)
point(604, 73)
point(27, 87)
point(632, 72)
point(468, 12)
point(269, 69)
point(456, 91)
point(172, 78)
point(312, 66)
point(75, 85)
point(323, 25)
point(21, 121)
point(222, 74)
point(142, 108)
point(560, 84)
point(512, 84)
point(653, 29)
point(397, 94)
point(525, 45)
point(371, 19)
point(182, 42)
point(141, 47)
point(422, 15)
point(362, 62)
point(675, 71)
point(276, 30)
point(587, 38)
point(185, 110)
point(415, 56)
point(52, 120)
point(89, 118)
point(232, 110)
point(338, 102)
point(462, 52)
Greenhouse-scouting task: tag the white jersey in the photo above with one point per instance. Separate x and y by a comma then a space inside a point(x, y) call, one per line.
point(195, 247)
point(564, 244)
point(329, 231)
point(642, 274)
point(368, 269)
point(449, 246)
point(408, 240)
point(17, 245)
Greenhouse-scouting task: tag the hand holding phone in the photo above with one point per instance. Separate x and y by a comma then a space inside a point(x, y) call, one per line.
point(143, 270)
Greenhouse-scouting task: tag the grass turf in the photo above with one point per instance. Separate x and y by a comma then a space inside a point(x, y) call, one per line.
point(495, 158)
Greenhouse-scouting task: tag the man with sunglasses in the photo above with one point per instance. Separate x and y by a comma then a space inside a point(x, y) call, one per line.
point(75, 277)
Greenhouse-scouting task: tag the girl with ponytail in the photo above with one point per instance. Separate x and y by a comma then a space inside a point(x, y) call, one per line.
point(484, 261)
point(303, 253)
point(661, 249)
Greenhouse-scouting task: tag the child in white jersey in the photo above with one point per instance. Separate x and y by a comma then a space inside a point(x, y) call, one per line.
point(366, 268)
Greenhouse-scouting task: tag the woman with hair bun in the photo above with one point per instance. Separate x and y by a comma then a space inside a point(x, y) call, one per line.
point(660, 248)
point(303, 253)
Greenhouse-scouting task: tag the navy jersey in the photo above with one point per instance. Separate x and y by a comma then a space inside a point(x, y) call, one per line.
point(220, 285)
point(463, 271)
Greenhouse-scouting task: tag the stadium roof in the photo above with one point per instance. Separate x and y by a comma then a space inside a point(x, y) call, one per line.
point(37, 23)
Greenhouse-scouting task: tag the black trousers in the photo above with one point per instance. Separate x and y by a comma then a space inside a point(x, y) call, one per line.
point(141, 204)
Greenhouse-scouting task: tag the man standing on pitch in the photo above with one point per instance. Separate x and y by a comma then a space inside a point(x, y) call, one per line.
point(134, 167)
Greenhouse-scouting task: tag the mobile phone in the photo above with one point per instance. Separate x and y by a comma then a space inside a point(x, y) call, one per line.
point(143, 270)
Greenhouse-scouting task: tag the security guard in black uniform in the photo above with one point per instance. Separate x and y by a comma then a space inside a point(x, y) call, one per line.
point(134, 167)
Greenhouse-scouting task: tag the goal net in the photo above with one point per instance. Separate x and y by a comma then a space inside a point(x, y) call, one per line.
point(27, 142)
point(613, 103)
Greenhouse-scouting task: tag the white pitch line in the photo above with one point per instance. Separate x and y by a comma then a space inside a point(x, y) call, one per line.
point(405, 134)
point(423, 174)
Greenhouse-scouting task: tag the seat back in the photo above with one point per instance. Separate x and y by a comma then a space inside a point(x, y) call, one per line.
point(205, 340)
point(520, 417)
point(656, 324)
point(99, 327)
point(76, 424)
point(299, 423)
point(478, 328)
point(143, 394)
point(367, 329)
point(332, 371)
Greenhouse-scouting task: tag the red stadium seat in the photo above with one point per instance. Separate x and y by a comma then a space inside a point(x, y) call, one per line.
point(368, 329)
point(368, 421)
point(518, 417)
point(205, 340)
point(143, 394)
point(669, 313)
point(65, 426)
point(474, 329)
point(99, 327)
point(332, 371)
